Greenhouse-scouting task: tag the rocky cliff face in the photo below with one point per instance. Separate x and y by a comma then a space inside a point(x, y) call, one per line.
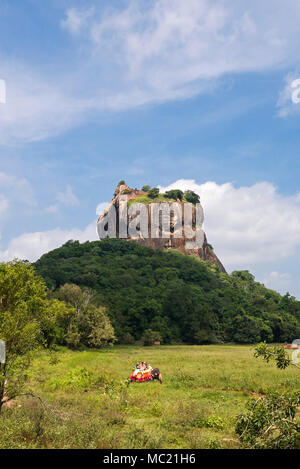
point(163, 243)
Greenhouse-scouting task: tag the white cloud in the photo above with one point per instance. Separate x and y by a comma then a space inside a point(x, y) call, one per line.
point(37, 107)
point(52, 209)
point(101, 207)
point(285, 103)
point(15, 189)
point(250, 227)
point(247, 225)
point(3, 204)
point(31, 246)
point(169, 49)
point(278, 281)
point(150, 51)
point(68, 198)
point(76, 19)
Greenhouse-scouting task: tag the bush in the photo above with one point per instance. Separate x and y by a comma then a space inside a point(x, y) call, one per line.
point(153, 193)
point(174, 194)
point(205, 336)
point(270, 423)
point(89, 324)
point(79, 378)
point(192, 197)
point(149, 337)
point(127, 339)
point(176, 295)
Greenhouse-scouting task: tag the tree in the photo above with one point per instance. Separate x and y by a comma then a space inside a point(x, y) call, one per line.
point(192, 197)
point(149, 337)
point(137, 284)
point(101, 332)
point(24, 308)
point(276, 353)
point(250, 330)
point(174, 194)
point(153, 193)
point(146, 188)
point(270, 422)
point(89, 325)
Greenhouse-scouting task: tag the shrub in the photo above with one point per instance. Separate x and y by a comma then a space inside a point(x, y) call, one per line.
point(149, 337)
point(213, 421)
point(174, 194)
point(127, 339)
point(89, 324)
point(270, 423)
point(205, 336)
point(192, 197)
point(79, 378)
point(153, 193)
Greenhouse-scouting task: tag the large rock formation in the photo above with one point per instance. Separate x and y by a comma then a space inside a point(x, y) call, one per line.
point(172, 242)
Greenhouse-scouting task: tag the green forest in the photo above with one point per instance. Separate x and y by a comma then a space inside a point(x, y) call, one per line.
point(168, 296)
point(63, 385)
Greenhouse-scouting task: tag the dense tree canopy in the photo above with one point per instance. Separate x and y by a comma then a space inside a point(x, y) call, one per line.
point(31, 316)
point(181, 297)
point(27, 316)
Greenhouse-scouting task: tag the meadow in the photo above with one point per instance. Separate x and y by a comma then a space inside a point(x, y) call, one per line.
point(87, 402)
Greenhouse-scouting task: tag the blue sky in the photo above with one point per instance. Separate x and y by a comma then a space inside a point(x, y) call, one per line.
point(190, 94)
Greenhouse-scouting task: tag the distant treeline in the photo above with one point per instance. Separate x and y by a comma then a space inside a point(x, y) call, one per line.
point(181, 298)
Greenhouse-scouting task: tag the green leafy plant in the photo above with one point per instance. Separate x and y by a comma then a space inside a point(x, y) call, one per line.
point(271, 421)
point(184, 298)
point(192, 197)
point(174, 194)
point(153, 193)
point(150, 336)
point(89, 324)
point(25, 315)
point(276, 353)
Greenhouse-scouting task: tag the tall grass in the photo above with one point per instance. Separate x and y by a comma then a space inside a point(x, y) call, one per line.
point(90, 405)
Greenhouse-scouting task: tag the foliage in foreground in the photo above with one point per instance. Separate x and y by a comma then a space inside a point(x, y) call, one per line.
point(90, 405)
point(24, 311)
point(89, 325)
point(181, 297)
point(29, 319)
point(272, 421)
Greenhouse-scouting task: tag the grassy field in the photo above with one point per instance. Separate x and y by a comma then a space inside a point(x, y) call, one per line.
point(89, 404)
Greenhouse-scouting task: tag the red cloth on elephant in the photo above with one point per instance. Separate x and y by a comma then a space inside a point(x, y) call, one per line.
point(142, 375)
